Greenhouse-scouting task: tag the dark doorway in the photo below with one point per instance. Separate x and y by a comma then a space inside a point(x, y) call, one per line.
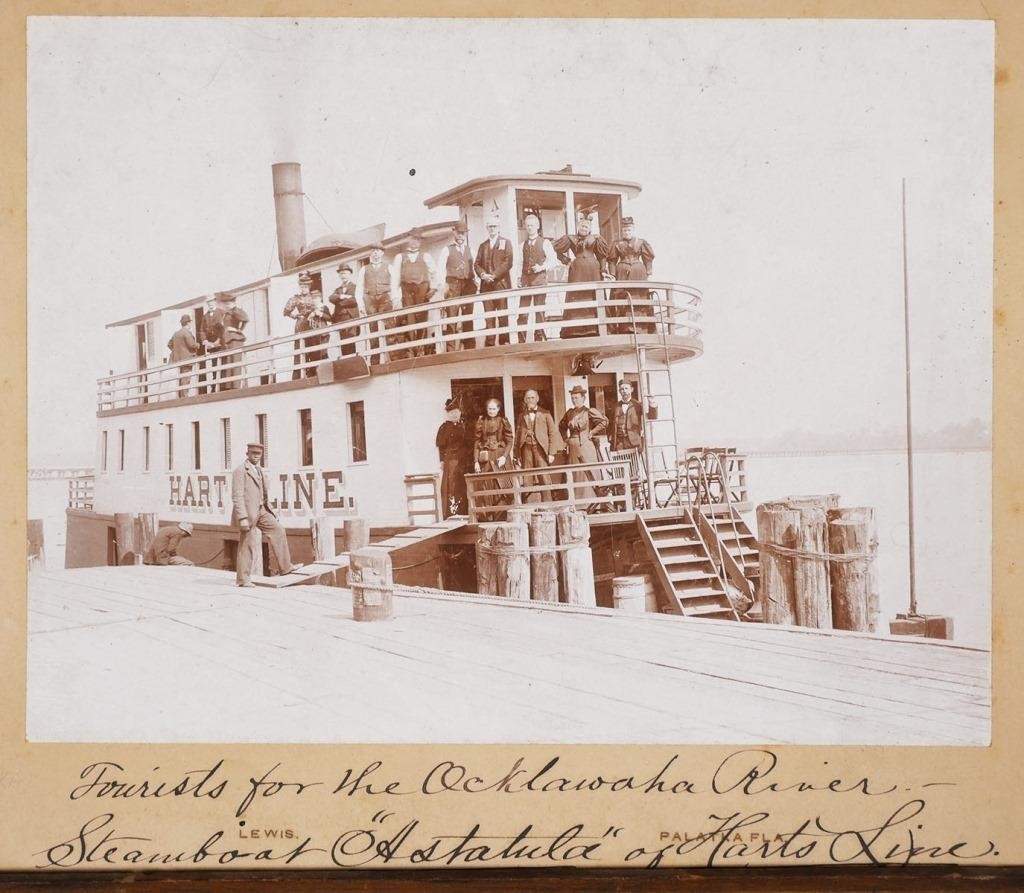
point(473, 394)
point(602, 391)
point(539, 383)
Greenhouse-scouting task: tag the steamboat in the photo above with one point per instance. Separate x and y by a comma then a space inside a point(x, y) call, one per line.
point(659, 620)
point(348, 425)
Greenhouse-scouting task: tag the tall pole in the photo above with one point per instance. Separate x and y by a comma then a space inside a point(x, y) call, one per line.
point(910, 429)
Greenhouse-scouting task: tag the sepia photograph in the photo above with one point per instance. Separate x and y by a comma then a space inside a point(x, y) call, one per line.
point(509, 381)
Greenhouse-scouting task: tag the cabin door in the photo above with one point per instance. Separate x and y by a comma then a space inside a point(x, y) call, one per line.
point(473, 394)
point(539, 383)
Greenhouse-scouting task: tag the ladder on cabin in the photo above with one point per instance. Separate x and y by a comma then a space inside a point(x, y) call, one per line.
point(690, 583)
point(655, 384)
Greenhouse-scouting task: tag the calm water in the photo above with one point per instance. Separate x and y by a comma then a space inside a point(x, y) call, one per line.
point(952, 524)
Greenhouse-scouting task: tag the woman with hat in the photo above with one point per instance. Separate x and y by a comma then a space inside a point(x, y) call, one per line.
point(344, 307)
point(631, 258)
point(580, 427)
point(585, 254)
point(492, 451)
point(453, 446)
point(299, 307)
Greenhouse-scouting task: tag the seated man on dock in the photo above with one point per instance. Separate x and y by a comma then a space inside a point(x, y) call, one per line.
point(163, 550)
point(250, 509)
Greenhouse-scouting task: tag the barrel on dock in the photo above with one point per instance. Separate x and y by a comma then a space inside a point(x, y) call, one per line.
point(634, 595)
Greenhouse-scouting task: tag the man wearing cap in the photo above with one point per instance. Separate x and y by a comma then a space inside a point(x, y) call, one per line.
point(373, 285)
point(164, 548)
point(183, 346)
point(537, 441)
point(299, 307)
point(454, 444)
point(580, 427)
point(415, 273)
point(251, 511)
point(456, 261)
point(538, 259)
point(344, 307)
point(631, 258)
point(493, 264)
point(233, 320)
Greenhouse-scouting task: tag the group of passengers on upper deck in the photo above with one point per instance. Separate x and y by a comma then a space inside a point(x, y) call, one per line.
point(413, 279)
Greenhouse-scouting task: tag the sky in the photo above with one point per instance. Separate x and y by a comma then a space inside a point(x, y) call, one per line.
point(771, 155)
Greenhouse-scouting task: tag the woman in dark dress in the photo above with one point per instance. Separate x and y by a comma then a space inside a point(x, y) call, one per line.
point(631, 258)
point(492, 451)
point(588, 253)
point(452, 444)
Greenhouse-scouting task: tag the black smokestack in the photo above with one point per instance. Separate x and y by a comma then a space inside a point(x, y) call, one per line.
point(288, 208)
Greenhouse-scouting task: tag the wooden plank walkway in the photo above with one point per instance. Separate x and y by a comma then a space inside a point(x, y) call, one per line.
point(315, 570)
point(146, 654)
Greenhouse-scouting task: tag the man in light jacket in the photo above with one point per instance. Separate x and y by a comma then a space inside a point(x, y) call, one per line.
point(251, 511)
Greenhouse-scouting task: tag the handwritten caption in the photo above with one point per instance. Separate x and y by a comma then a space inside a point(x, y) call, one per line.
point(725, 816)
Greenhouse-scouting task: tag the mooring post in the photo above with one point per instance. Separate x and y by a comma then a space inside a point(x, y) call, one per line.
point(851, 531)
point(124, 533)
point(810, 577)
point(577, 561)
point(321, 534)
point(777, 527)
point(147, 525)
point(357, 534)
point(543, 564)
point(36, 546)
point(372, 584)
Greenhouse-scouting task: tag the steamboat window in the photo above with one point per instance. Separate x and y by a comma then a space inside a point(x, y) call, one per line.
point(225, 442)
point(196, 447)
point(120, 449)
point(103, 451)
point(306, 436)
point(357, 431)
point(145, 448)
point(170, 447)
point(261, 437)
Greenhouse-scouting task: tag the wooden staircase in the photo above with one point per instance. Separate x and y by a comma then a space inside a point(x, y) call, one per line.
point(689, 580)
point(732, 546)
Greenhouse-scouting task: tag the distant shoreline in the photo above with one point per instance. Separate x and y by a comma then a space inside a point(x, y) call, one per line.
point(771, 454)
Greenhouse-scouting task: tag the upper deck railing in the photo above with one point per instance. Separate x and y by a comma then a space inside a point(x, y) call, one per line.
point(596, 317)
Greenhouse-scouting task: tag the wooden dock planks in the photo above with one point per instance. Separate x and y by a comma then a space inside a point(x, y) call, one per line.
point(193, 658)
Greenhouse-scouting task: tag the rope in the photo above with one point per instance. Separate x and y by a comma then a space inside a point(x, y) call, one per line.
point(845, 558)
point(315, 208)
point(513, 549)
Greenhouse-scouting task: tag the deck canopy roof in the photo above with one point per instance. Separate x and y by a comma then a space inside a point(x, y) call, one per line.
point(543, 180)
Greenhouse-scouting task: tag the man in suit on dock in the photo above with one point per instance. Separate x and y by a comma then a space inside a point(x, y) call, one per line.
point(251, 511)
point(493, 264)
point(183, 346)
point(537, 441)
point(163, 550)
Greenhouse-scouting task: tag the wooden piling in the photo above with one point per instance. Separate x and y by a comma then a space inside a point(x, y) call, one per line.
point(147, 525)
point(357, 534)
point(856, 576)
point(777, 526)
point(36, 546)
point(124, 534)
point(502, 560)
point(518, 514)
point(372, 584)
point(810, 576)
point(321, 532)
point(577, 562)
point(543, 565)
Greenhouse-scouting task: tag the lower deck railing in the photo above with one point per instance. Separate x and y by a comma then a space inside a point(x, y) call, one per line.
point(590, 487)
point(584, 309)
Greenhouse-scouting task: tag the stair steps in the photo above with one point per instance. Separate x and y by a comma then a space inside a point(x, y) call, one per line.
point(688, 581)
